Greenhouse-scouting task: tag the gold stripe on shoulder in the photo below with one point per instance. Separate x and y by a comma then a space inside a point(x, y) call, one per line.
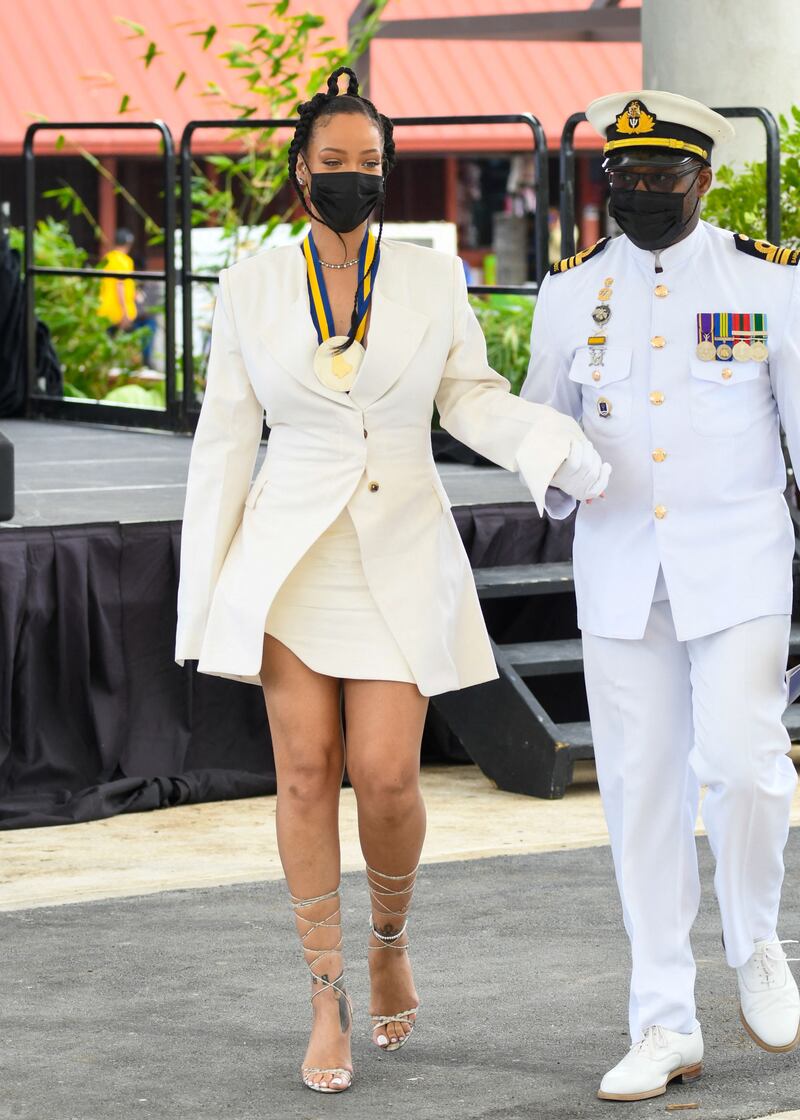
point(765, 251)
point(584, 255)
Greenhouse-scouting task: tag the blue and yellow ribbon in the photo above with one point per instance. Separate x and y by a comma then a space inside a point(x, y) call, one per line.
point(321, 314)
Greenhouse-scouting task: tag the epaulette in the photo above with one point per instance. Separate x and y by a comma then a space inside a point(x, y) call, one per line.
point(579, 258)
point(764, 251)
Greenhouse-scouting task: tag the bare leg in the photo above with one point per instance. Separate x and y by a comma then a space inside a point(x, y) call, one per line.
point(303, 708)
point(384, 722)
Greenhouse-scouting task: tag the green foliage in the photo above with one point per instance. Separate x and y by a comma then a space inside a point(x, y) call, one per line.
point(738, 200)
point(266, 59)
point(506, 324)
point(68, 305)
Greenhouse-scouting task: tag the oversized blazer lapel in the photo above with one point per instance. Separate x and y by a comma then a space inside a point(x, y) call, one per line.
point(396, 331)
point(290, 338)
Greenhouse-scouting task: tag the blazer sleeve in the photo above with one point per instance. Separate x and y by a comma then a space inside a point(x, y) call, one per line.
point(220, 468)
point(477, 407)
point(548, 383)
point(784, 373)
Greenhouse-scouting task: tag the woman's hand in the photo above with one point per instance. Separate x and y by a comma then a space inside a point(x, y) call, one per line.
point(583, 474)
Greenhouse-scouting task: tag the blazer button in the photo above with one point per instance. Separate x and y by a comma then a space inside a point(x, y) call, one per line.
point(374, 487)
point(659, 455)
point(660, 512)
point(658, 342)
point(656, 398)
point(661, 290)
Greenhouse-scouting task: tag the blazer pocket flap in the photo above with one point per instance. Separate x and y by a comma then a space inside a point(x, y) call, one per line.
point(726, 373)
point(615, 365)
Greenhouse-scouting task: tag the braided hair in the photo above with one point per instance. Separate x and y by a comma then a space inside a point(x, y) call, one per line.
point(329, 104)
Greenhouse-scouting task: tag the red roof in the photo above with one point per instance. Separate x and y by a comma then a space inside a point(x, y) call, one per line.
point(86, 61)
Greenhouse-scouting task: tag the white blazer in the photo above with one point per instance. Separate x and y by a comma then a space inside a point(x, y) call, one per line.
point(369, 451)
point(698, 474)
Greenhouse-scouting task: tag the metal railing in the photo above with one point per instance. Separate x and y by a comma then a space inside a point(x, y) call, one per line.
point(567, 157)
point(188, 277)
point(71, 408)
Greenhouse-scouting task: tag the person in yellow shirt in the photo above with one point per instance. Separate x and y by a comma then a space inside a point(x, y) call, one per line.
point(118, 297)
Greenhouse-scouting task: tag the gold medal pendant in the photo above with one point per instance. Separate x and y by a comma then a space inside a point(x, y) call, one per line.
point(758, 351)
point(706, 350)
point(724, 352)
point(741, 351)
point(338, 371)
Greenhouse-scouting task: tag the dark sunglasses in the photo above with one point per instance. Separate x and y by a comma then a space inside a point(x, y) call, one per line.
point(662, 182)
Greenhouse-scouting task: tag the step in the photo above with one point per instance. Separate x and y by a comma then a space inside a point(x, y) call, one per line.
point(539, 659)
point(579, 735)
point(544, 659)
point(524, 579)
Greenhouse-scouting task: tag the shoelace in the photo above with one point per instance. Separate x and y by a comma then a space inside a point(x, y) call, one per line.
point(654, 1038)
point(768, 961)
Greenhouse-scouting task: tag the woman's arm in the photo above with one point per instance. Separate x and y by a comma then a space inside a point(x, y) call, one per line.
point(223, 454)
point(476, 406)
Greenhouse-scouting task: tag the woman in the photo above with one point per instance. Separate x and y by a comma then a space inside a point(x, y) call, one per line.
point(340, 570)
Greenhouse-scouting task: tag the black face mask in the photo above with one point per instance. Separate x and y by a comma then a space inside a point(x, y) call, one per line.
point(345, 199)
point(650, 219)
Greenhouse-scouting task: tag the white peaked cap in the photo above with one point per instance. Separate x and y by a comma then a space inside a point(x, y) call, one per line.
point(657, 120)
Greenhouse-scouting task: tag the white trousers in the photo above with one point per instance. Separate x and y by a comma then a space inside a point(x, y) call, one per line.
point(668, 717)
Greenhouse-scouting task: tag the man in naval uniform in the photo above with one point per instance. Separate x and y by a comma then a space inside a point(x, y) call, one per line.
point(678, 346)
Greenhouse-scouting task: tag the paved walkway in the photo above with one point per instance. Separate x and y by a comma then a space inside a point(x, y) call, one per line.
point(194, 1004)
point(141, 999)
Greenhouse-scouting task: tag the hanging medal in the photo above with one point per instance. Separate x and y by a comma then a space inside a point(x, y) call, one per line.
point(758, 347)
point(339, 371)
point(705, 350)
point(742, 332)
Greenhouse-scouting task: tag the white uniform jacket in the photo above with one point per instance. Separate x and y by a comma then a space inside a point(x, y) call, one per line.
point(698, 475)
point(369, 451)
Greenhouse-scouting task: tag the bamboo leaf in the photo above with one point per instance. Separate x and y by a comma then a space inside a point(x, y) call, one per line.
point(180, 80)
point(151, 53)
point(136, 28)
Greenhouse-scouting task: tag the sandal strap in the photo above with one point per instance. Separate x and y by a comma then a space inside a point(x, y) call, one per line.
point(400, 1017)
point(384, 899)
point(332, 921)
point(316, 1069)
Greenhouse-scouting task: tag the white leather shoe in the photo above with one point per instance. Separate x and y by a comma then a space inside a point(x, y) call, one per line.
point(769, 1003)
point(648, 1067)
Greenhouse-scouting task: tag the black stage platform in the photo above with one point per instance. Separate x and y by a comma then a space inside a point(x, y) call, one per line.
point(95, 717)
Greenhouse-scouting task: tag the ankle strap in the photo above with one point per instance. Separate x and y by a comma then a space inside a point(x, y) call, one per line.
point(382, 897)
point(331, 921)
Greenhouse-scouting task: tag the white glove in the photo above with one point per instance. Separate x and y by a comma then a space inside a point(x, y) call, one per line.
point(583, 474)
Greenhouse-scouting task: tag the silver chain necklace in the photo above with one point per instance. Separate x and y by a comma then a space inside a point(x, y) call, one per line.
point(346, 264)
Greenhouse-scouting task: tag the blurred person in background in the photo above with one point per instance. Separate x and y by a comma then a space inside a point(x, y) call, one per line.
point(118, 297)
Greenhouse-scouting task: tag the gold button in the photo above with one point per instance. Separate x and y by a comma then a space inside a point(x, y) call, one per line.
point(596, 375)
point(656, 398)
point(659, 455)
point(374, 487)
point(727, 374)
point(660, 512)
point(658, 342)
point(661, 290)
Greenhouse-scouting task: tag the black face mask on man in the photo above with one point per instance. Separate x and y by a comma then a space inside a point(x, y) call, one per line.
point(345, 199)
point(651, 219)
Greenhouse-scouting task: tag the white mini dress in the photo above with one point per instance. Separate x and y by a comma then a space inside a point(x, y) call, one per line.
point(327, 616)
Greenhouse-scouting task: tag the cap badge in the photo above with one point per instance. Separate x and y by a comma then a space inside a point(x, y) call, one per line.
point(634, 120)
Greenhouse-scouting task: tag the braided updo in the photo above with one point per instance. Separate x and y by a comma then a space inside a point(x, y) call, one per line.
point(329, 104)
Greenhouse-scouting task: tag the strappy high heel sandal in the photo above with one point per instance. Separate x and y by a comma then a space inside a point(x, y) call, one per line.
point(383, 896)
point(332, 921)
